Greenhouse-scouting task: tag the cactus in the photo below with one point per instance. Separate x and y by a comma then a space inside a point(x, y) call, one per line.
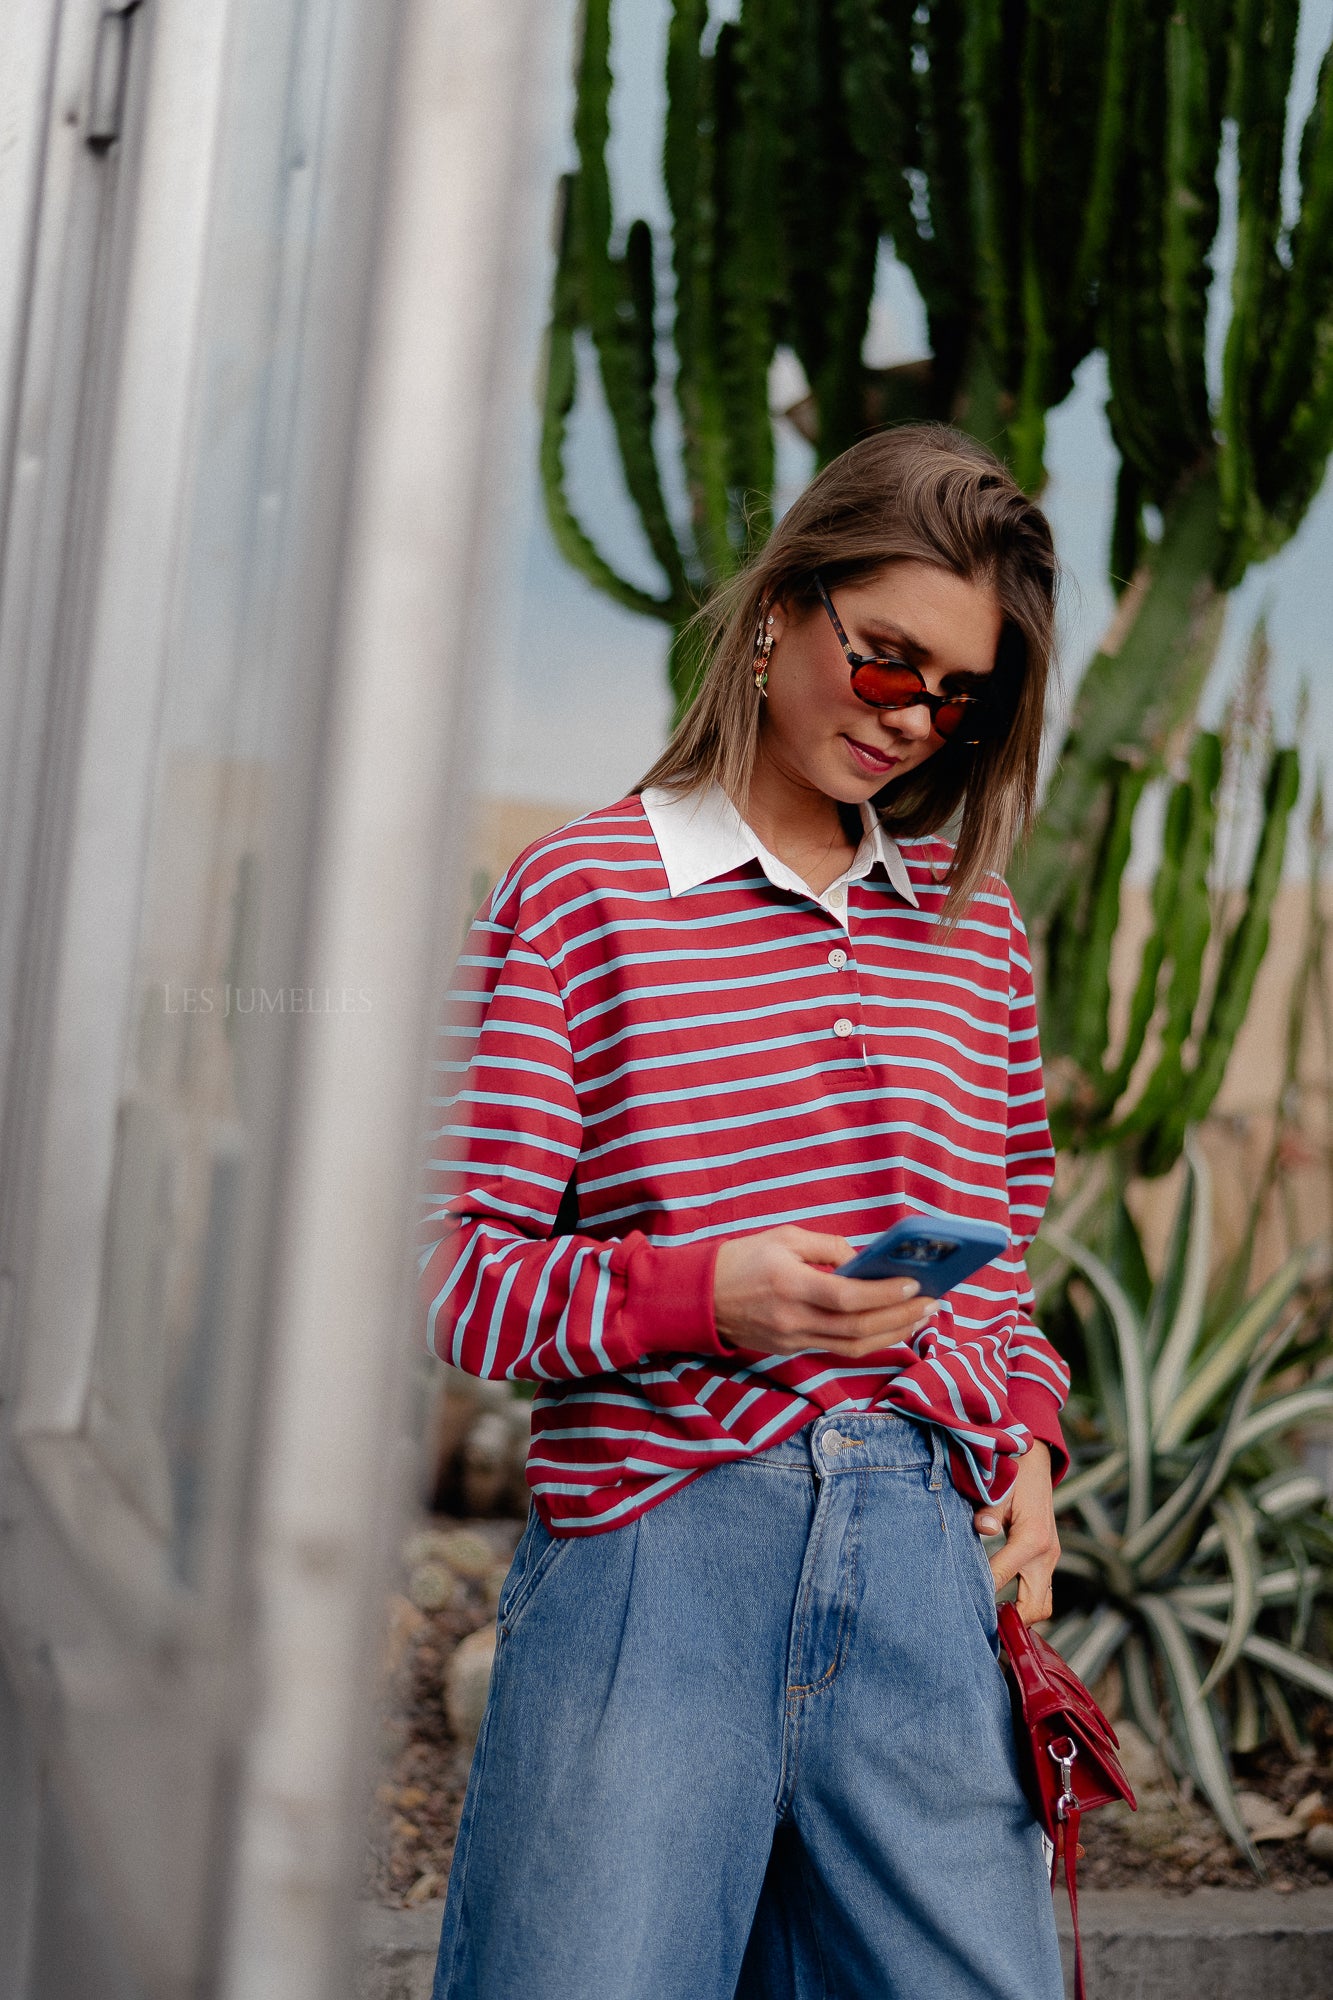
point(1234, 484)
point(1198, 963)
point(1048, 173)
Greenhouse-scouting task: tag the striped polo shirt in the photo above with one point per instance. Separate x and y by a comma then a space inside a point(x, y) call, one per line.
point(658, 1038)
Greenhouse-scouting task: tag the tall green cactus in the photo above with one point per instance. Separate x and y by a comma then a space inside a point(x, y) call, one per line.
point(1234, 482)
point(1196, 972)
point(1048, 172)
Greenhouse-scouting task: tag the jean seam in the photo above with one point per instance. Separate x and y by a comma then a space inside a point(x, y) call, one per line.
point(534, 1576)
point(525, 1542)
point(845, 1605)
point(812, 1560)
point(757, 1464)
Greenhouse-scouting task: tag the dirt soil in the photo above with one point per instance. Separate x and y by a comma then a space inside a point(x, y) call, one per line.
point(1171, 1843)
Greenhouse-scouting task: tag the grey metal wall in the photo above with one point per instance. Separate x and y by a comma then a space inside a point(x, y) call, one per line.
point(257, 368)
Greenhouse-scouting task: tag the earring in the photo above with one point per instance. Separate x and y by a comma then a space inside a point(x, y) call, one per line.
point(762, 649)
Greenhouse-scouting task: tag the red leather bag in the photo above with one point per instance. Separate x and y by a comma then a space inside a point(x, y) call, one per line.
point(1066, 1752)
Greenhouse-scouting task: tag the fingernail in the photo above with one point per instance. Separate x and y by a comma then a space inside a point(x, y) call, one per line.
point(911, 1288)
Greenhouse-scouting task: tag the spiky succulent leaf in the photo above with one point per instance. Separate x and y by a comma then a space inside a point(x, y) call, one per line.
point(1293, 1666)
point(1226, 1357)
point(1098, 1643)
point(1236, 1524)
point(1197, 1726)
point(1167, 1537)
point(1284, 1414)
point(1175, 1317)
point(1129, 1344)
point(1091, 1479)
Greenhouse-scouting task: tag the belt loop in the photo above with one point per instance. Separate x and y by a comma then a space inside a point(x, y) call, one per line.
point(937, 1459)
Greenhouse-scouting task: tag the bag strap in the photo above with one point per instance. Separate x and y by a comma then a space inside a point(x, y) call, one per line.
point(1066, 1835)
point(1068, 1817)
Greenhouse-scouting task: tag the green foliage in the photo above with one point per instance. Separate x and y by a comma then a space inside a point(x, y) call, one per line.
point(1195, 1551)
point(1048, 173)
point(1233, 482)
point(1198, 962)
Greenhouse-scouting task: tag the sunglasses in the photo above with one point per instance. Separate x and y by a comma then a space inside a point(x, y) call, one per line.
point(890, 683)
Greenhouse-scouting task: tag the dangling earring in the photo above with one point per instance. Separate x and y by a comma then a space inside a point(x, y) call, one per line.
point(763, 646)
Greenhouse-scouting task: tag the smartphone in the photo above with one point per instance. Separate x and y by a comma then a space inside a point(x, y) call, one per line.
point(939, 1251)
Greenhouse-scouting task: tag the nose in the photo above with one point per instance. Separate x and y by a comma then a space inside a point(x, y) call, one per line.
point(914, 723)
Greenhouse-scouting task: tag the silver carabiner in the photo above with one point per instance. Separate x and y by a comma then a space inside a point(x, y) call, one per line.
point(1064, 1750)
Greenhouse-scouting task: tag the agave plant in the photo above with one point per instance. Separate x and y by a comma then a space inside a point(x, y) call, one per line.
point(1195, 1549)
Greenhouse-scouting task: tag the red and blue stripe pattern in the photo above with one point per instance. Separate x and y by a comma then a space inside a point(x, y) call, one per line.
point(708, 1065)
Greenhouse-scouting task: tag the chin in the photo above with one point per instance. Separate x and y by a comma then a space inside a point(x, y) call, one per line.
point(847, 790)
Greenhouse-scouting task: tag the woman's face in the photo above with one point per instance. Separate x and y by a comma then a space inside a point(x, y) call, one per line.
point(816, 731)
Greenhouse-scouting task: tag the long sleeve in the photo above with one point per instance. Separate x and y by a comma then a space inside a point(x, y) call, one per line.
point(1038, 1377)
point(501, 1295)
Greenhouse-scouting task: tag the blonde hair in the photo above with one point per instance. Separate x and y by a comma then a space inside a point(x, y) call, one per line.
point(917, 493)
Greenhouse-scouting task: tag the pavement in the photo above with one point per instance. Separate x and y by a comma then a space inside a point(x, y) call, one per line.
point(1138, 1944)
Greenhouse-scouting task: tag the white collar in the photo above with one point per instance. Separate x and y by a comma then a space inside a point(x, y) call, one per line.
point(700, 835)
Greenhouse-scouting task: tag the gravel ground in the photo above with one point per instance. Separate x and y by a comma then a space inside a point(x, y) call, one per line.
point(423, 1767)
point(1170, 1843)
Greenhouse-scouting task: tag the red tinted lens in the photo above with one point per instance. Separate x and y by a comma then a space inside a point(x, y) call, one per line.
point(886, 686)
point(951, 716)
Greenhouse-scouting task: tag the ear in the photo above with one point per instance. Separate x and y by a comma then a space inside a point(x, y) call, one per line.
point(774, 618)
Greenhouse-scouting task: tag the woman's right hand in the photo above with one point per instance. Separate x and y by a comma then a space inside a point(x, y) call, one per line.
point(778, 1293)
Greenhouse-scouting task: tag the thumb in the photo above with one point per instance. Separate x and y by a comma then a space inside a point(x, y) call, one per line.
point(985, 1522)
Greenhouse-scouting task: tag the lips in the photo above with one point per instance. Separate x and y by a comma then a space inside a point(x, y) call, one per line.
point(868, 759)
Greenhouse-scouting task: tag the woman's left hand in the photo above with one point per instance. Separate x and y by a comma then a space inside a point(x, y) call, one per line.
point(1032, 1546)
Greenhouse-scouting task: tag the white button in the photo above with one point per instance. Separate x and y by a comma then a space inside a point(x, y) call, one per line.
point(842, 1026)
point(837, 959)
point(838, 895)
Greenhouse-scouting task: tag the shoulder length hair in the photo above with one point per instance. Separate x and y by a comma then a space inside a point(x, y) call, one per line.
point(915, 493)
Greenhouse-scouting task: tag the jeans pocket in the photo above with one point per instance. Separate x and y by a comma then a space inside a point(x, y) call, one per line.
point(534, 1559)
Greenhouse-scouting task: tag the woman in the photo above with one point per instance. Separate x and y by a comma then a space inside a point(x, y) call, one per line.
point(747, 1732)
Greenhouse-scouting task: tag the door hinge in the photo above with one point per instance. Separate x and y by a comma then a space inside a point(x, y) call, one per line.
point(111, 57)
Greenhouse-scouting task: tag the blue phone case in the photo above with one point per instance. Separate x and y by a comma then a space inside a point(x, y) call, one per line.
point(939, 1251)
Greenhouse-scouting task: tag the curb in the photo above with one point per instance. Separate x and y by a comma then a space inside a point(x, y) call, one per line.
point(1210, 1944)
point(396, 1959)
point(1138, 1944)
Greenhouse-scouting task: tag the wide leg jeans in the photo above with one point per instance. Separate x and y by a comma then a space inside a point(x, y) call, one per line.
point(755, 1745)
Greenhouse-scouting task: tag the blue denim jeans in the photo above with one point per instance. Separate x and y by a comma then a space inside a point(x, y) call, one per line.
point(755, 1745)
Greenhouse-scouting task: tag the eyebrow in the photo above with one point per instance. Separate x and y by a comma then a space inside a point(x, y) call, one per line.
point(876, 632)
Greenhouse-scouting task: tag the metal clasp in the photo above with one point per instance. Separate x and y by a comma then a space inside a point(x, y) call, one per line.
point(1064, 1750)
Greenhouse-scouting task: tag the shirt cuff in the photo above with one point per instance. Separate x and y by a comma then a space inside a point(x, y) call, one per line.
point(668, 1305)
point(1037, 1408)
